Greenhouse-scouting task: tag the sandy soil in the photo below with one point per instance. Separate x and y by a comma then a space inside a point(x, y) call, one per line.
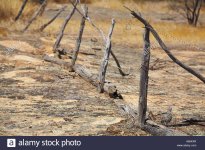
point(40, 98)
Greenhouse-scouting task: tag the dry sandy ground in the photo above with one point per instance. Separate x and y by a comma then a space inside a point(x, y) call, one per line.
point(40, 98)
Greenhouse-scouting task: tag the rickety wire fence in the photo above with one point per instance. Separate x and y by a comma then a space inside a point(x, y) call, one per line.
point(140, 115)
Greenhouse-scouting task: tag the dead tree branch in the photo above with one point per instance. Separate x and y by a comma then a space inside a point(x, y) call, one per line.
point(118, 64)
point(189, 122)
point(160, 130)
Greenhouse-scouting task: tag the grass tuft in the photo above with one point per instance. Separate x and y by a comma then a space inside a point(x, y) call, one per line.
point(9, 8)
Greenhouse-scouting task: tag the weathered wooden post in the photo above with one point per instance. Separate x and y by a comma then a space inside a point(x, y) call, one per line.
point(104, 64)
point(21, 10)
point(60, 36)
point(104, 39)
point(36, 14)
point(43, 8)
point(53, 19)
point(79, 39)
point(165, 48)
point(144, 79)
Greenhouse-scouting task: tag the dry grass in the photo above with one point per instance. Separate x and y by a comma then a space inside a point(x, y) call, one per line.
point(10, 8)
point(181, 33)
point(66, 1)
point(128, 31)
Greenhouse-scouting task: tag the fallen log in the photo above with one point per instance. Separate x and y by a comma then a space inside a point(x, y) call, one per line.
point(56, 61)
point(194, 120)
point(63, 51)
point(160, 130)
point(83, 72)
point(189, 122)
point(112, 91)
point(149, 126)
point(109, 88)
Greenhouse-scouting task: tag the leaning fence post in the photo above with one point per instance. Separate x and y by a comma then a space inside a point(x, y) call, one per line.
point(165, 48)
point(104, 64)
point(79, 39)
point(60, 36)
point(53, 19)
point(36, 14)
point(43, 8)
point(144, 79)
point(21, 10)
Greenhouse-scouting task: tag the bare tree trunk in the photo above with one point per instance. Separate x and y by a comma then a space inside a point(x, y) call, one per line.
point(144, 78)
point(104, 64)
point(193, 11)
point(53, 19)
point(60, 36)
point(79, 39)
point(36, 14)
point(21, 9)
point(197, 12)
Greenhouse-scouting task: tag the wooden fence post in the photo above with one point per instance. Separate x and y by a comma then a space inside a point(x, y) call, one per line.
point(104, 39)
point(144, 79)
point(43, 8)
point(60, 36)
point(53, 19)
point(36, 14)
point(104, 64)
point(165, 48)
point(21, 10)
point(79, 39)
